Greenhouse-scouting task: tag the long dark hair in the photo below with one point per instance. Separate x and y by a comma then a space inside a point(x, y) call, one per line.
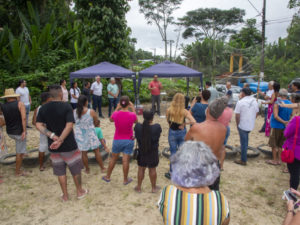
point(276, 87)
point(80, 104)
point(146, 131)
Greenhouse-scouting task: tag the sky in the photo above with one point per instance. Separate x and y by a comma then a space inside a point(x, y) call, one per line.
point(148, 37)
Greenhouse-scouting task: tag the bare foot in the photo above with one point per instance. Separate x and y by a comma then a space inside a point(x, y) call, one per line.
point(42, 168)
point(87, 171)
point(156, 189)
point(64, 198)
point(138, 190)
point(103, 170)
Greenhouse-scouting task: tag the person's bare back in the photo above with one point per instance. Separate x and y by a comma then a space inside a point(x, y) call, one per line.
point(211, 132)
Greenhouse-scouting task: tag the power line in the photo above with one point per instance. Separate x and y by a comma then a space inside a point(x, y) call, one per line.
point(254, 7)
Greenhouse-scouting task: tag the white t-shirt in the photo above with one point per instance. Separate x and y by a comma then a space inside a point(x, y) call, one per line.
point(269, 93)
point(75, 92)
point(247, 107)
point(213, 94)
point(24, 95)
point(97, 88)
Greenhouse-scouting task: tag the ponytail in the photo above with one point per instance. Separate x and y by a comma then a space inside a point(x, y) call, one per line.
point(146, 131)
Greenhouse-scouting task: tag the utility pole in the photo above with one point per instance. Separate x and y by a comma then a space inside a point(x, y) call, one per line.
point(171, 42)
point(263, 31)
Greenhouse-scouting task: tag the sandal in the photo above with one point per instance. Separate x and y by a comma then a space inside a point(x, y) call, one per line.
point(129, 180)
point(86, 191)
point(271, 162)
point(105, 179)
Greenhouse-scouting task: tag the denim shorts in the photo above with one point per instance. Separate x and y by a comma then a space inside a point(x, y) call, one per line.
point(125, 146)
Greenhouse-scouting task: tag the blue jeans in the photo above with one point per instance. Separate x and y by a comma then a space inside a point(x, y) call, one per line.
point(176, 138)
point(27, 108)
point(112, 103)
point(97, 102)
point(227, 135)
point(244, 139)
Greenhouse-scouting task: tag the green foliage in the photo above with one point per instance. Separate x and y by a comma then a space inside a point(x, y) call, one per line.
point(160, 12)
point(294, 3)
point(211, 23)
point(247, 37)
point(104, 24)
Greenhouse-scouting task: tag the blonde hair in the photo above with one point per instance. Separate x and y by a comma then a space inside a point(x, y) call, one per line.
point(177, 109)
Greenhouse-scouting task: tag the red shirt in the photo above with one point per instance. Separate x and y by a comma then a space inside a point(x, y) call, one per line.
point(156, 85)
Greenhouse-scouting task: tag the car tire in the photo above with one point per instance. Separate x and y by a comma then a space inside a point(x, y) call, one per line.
point(250, 154)
point(264, 151)
point(231, 153)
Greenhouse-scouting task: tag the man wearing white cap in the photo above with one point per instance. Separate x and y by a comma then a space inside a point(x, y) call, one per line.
point(15, 119)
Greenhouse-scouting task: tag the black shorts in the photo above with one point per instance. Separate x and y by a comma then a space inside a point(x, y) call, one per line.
point(149, 160)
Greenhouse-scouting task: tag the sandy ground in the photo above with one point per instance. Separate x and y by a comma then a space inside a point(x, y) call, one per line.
point(254, 192)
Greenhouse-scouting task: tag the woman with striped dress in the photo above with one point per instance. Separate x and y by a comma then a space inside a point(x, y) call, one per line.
point(190, 201)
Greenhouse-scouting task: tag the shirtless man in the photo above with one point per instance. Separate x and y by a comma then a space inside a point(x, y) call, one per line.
point(211, 131)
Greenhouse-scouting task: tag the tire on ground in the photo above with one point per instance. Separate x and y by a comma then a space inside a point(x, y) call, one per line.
point(33, 161)
point(265, 151)
point(4, 160)
point(231, 153)
point(250, 154)
point(92, 158)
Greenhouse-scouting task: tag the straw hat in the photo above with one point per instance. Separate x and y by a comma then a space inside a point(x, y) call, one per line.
point(10, 93)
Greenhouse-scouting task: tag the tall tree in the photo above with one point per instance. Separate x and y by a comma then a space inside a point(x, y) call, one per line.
point(248, 36)
point(105, 26)
point(211, 23)
point(160, 12)
point(294, 3)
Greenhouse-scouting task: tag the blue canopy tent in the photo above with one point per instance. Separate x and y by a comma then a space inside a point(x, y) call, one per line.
point(169, 69)
point(105, 70)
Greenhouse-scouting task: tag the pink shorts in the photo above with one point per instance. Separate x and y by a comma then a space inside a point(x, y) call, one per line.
point(61, 160)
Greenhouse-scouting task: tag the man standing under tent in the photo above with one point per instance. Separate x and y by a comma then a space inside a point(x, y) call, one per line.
point(96, 90)
point(113, 93)
point(155, 86)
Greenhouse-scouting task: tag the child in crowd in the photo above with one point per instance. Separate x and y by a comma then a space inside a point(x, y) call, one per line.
point(45, 98)
point(99, 134)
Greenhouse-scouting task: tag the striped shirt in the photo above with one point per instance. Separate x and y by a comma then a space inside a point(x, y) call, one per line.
point(182, 208)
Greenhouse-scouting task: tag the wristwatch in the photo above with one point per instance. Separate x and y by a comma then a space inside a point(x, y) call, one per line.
point(52, 135)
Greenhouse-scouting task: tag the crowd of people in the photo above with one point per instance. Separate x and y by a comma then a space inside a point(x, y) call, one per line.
point(70, 130)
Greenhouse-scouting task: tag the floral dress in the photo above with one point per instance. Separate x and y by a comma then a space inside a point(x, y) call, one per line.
point(85, 134)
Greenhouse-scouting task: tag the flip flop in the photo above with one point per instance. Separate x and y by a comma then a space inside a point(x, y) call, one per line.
point(86, 191)
point(270, 162)
point(106, 180)
point(129, 180)
point(285, 170)
point(22, 174)
point(42, 169)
